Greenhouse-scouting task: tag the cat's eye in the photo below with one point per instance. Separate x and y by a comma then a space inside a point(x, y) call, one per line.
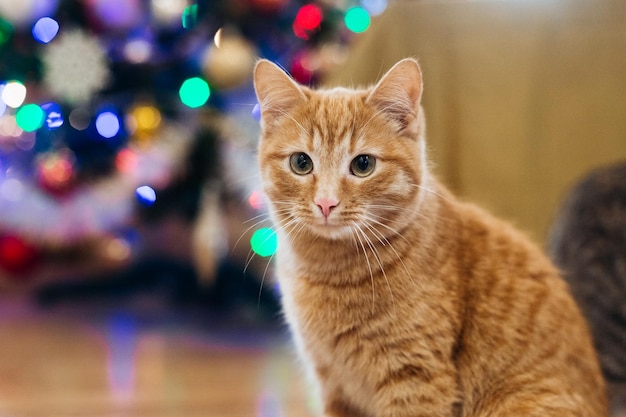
point(363, 165)
point(301, 163)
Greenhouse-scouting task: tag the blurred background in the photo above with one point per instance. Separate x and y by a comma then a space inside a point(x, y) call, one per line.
point(135, 250)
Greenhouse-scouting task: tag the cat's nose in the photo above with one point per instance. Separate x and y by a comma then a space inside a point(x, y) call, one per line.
point(326, 205)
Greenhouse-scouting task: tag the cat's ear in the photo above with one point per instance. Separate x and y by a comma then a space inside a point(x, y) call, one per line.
point(397, 95)
point(276, 91)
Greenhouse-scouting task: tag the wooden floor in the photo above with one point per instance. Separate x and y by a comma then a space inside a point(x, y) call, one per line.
point(97, 362)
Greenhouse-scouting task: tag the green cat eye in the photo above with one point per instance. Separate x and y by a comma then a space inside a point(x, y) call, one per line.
point(301, 163)
point(363, 165)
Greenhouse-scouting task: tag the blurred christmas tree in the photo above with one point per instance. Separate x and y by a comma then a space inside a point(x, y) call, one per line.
point(101, 99)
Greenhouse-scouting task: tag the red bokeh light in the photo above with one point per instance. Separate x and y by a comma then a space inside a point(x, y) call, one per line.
point(308, 18)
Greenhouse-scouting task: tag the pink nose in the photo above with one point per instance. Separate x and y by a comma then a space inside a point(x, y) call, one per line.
point(326, 205)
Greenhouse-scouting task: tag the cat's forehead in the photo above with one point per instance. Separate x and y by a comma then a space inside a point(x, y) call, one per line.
point(334, 119)
point(338, 95)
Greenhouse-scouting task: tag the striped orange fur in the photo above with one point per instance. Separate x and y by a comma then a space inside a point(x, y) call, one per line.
point(402, 300)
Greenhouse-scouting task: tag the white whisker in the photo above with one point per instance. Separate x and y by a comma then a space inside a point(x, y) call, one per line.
point(355, 228)
point(377, 256)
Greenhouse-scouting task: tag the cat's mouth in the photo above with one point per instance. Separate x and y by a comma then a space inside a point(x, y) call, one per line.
point(331, 227)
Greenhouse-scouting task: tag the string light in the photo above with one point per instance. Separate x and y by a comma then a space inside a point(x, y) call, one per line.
point(217, 39)
point(14, 94)
point(256, 200)
point(144, 118)
point(357, 19)
point(79, 119)
point(30, 117)
point(308, 18)
point(54, 115)
point(168, 11)
point(194, 92)
point(138, 51)
point(190, 16)
point(256, 112)
point(107, 124)
point(264, 242)
point(56, 169)
point(45, 29)
point(3, 105)
point(6, 30)
point(146, 195)
point(374, 7)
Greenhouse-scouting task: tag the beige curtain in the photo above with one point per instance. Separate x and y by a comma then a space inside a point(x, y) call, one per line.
point(522, 96)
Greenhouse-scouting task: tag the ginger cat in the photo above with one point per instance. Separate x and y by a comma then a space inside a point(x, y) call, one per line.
point(402, 300)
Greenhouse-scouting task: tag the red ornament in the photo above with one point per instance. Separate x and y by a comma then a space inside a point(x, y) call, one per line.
point(16, 255)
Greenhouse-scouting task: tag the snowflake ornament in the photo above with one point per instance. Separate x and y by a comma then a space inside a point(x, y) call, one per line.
point(76, 66)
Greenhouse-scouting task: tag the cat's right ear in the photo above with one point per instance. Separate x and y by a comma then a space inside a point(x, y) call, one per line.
point(397, 95)
point(276, 91)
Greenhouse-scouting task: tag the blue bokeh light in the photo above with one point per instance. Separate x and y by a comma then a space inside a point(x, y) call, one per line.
point(256, 112)
point(108, 124)
point(146, 195)
point(45, 29)
point(54, 115)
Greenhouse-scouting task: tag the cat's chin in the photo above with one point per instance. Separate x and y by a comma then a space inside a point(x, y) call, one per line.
point(331, 231)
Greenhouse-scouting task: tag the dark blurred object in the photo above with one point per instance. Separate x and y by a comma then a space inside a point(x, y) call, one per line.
point(182, 196)
point(588, 242)
point(171, 283)
point(175, 267)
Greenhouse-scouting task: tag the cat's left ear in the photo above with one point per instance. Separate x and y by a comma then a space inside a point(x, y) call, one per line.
point(397, 95)
point(276, 91)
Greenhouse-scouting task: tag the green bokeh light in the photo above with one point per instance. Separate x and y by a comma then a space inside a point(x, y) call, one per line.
point(357, 19)
point(264, 242)
point(194, 92)
point(6, 30)
point(190, 16)
point(30, 117)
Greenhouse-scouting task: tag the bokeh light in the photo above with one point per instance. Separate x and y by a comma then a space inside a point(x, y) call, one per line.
point(14, 94)
point(190, 16)
point(107, 124)
point(308, 18)
point(21, 13)
point(8, 126)
point(56, 170)
point(126, 161)
point(117, 14)
point(117, 249)
point(138, 50)
point(30, 117)
point(6, 30)
point(3, 105)
point(264, 242)
point(357, 19)
point(54, 115)
point(168, 11)
point(194, 92)
point(374, 7)
point(45, 29)
point(146, 195)
point(256, 112)
point(256, 200)
point(217, 38)
point(143, 118)
point(79, 119)
point(16, 255)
